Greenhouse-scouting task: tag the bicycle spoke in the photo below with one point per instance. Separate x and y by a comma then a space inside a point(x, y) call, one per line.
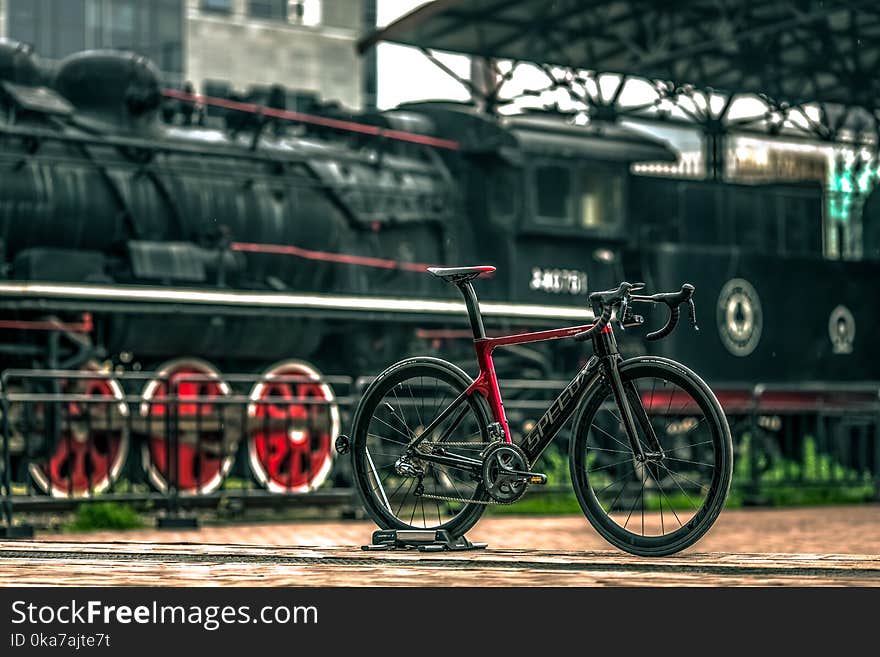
point(619, 493)
point(604, 488)
point(709, 465)
point(415, 406)
point(411, 434)
point(663, 494)
point(675, 479)
point(616, 451)
point(382, 481)
point(675, 449)
point(610, 465)
point(376, 417)
point(693, 428)
point(632, 508)
point(687, 479)
point(643, 502)
point(620, 421)
point(408, 489)
point(384, 467)
point(629, 450)
point(386, 438)
point(413, 516)
point(660, 500)
point(435, 492)
point(379, 480)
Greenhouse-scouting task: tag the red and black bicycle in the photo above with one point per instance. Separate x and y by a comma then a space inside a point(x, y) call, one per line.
point(650, 451)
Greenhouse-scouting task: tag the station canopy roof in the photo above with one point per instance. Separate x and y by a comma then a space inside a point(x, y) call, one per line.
point(794, 51)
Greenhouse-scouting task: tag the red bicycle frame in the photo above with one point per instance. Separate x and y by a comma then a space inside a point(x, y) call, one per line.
point(486, 384)
point(487, 381)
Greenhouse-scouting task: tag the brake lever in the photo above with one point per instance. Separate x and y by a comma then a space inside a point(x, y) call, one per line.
point(623, 308)
point(692, 313)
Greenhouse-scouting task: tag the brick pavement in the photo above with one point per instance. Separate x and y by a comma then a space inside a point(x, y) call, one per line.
point(832, 529)
point(830, 546)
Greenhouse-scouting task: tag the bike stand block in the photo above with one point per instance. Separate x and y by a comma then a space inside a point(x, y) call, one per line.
point(17, 532)
point(177, 522)
point(423, 540)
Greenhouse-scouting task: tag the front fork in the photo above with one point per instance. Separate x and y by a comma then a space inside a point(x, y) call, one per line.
point(628, 400)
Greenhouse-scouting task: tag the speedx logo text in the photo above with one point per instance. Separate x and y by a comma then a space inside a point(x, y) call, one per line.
point(557, 410)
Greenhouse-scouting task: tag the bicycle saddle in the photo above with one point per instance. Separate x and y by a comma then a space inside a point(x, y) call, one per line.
point(460, 274)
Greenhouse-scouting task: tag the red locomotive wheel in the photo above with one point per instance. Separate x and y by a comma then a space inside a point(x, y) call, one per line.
point(291, 434)
point(199, 456)
point(93, 443)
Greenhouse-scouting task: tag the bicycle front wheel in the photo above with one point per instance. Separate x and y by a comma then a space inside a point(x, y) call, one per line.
point(667, 503)
point(401, 490)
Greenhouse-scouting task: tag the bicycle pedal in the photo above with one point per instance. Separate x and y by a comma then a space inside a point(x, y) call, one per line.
point(538, 478)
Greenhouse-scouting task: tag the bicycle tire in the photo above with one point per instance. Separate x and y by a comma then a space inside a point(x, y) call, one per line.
point(365, 472)
point(600, 517)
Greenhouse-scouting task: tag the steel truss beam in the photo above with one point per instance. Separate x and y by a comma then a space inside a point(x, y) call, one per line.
point(790, 54)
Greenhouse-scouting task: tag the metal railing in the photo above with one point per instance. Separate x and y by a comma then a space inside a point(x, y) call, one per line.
point(186, 440)
point(172, 441)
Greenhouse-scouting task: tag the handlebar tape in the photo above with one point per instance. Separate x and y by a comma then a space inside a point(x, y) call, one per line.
point(600, 324)
point(674, 314)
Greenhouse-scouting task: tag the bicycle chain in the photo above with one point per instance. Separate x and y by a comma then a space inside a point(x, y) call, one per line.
point(461, 499)
point(445, 444)
point(446, 498)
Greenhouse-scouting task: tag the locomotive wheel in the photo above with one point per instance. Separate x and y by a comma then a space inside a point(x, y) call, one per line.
point(200, 456)
point(92, 444)
point(290, 440)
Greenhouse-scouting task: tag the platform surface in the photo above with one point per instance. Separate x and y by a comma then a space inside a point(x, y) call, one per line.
point(828, 546)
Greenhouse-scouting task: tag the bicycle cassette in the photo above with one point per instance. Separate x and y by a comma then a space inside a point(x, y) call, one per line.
point(501, 484)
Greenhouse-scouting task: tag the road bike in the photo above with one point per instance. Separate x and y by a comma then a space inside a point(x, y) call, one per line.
point(650, 453)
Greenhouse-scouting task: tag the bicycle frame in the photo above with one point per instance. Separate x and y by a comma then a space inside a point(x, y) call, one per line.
point(440, 443)
point(605, 356)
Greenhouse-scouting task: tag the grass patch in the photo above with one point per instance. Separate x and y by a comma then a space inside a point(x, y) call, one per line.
point(551, 504)
point(104, 515)
point(814, 495)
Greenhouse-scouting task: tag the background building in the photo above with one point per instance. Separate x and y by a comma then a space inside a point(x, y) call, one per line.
point(301, 44)
point(58, 28)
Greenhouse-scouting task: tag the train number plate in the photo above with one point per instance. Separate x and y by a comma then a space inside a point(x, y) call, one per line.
point(559, 281)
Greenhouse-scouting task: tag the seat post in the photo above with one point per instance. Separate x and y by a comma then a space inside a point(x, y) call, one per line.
point(473, 308)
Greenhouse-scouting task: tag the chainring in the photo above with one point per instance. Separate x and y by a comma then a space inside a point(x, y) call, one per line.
point(503, 487)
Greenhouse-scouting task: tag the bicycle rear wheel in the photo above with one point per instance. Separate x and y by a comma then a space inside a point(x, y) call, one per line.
point(670, 501)
point(397, 407)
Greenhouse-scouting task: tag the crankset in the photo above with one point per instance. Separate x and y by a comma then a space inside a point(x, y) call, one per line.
point(506, 474)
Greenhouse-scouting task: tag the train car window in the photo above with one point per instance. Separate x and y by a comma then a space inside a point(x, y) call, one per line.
point(574, 195)
point(601, 197)
point(268, 9)
point(222, 6)
point(553, 195)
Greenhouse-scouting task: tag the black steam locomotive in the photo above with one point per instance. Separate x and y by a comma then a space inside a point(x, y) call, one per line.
point(136, 237)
